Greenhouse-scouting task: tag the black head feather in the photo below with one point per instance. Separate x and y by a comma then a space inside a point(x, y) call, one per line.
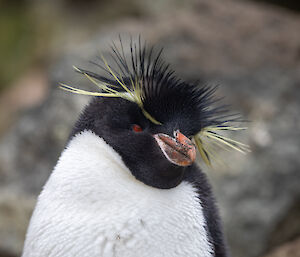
point(142, 89)
point(164, 99)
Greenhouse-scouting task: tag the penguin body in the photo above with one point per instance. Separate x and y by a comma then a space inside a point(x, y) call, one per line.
point(127, 184)
point(116, 215)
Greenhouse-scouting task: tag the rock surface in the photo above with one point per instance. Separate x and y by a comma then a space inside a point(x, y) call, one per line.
point(253, 52)
point(288, 249)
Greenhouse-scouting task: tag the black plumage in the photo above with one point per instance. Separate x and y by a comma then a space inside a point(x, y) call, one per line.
point(160, 104)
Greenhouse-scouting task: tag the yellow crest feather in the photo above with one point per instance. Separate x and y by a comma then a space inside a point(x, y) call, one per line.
point(210, 136)
point(206, 140)
point(134, 95)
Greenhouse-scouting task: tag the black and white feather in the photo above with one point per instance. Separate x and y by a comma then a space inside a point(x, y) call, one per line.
point(145, 79)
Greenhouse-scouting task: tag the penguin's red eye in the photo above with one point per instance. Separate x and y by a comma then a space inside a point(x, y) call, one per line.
point(137, 128)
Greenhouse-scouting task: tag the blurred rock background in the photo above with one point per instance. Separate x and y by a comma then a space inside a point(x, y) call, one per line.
point(250, 48)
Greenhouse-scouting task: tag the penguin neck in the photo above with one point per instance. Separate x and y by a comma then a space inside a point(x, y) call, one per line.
point(94, 157)
point(91, 188)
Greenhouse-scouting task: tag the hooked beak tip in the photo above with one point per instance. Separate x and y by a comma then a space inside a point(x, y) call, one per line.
point(179, 150)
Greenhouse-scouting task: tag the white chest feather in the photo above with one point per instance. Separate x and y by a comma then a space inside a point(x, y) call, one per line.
point(93, 206)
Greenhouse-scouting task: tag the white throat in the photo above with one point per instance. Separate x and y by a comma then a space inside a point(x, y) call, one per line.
point(93, 206)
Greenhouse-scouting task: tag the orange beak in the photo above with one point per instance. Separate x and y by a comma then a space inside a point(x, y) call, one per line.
point(179, 150)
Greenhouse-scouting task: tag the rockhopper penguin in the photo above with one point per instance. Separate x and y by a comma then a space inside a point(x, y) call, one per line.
point(126, 184)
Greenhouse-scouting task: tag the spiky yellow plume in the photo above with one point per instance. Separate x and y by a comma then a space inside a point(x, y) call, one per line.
point(210, 136)
point(143, 71)
point(134, 94)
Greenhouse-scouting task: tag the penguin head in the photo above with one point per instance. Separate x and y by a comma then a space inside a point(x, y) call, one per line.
point(152, 119)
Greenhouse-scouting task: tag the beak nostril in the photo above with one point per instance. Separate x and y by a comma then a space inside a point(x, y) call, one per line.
point(176, 134)
point(178, 150)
